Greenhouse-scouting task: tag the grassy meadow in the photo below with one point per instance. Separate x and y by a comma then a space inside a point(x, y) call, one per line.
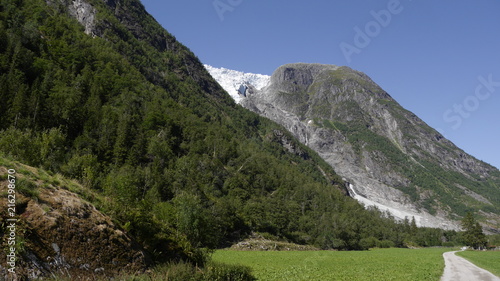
point(489, 260)
point(378, 264)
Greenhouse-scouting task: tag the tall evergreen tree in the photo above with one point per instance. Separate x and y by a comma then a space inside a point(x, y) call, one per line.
point(473, 235)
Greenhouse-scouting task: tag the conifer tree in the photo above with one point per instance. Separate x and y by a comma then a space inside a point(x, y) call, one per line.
point(473, 235)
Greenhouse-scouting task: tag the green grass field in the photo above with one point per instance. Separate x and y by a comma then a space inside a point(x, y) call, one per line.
point(489, 260)
point(379, 264)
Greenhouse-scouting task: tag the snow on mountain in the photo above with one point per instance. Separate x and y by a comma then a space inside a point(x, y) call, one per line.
point(232, 80)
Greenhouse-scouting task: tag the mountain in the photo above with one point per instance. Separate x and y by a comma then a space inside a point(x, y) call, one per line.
point(99, 99)
point(390, 158)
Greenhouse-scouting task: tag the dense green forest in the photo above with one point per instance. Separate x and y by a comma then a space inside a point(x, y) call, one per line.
point(133, 115)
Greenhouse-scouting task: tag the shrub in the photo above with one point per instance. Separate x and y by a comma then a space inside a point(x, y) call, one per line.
point(449, 244)
point(184, 271)
point(21, 144)
point(221, 272)
point(339, 244)
point(179, 271)
point(84, 168)
point(367, 243)
point(385, 244)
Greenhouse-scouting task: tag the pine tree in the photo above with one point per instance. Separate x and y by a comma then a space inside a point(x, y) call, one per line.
point(413, 226)
point(473, 235)
point(480, 238)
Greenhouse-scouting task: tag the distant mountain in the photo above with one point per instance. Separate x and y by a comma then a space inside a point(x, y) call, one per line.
point(390, 157)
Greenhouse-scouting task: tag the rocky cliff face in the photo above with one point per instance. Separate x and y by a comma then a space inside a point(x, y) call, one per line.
point(84, 13)
point(390, 157)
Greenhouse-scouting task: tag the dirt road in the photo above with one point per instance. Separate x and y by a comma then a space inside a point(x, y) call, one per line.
point(460, 269)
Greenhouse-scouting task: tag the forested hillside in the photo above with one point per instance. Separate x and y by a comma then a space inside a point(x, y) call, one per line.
point(122, 107)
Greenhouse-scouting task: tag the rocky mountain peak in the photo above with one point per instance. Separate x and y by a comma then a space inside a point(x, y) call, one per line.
point(298, 76)
point(392, 159)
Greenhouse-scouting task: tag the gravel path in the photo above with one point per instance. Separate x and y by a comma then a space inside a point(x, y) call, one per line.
point(460, 269)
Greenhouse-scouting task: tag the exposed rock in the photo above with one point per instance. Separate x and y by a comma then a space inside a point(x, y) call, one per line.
point(84, 13)
point(65, 235)
point(258, 243)
point(288, 143)
point(385, 151)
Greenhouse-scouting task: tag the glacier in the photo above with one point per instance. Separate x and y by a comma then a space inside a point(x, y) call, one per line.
point(231, 80)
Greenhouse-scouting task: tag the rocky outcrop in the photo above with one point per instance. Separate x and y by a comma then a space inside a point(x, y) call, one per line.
point(289, 144)
point(82, 10)
point(391, 157)
point(258, 243)
point(59, 233)
point(84, 13)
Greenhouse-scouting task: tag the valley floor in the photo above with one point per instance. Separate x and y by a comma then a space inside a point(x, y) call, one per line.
point(377, 264)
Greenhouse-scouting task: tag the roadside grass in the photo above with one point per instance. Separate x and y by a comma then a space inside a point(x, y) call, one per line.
point(489, 260)
point(377, 264)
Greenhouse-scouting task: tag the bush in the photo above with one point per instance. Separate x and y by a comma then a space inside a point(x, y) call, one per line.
point(23, 145)
point(219, 272)
point(84, 168)
point(385, 244)
point(367, 243)
point(184, 271)
point(449, 244)
point(180, 271)
point(339, 244)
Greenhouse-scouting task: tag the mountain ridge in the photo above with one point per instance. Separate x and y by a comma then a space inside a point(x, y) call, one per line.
point(314, 95)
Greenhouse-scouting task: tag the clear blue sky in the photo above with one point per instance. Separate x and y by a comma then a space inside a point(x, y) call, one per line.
point(438, 59)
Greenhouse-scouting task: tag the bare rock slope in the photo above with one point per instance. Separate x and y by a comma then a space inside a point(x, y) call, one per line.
point(390, 157)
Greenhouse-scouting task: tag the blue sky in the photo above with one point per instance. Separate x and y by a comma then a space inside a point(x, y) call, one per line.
point(438, 59)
